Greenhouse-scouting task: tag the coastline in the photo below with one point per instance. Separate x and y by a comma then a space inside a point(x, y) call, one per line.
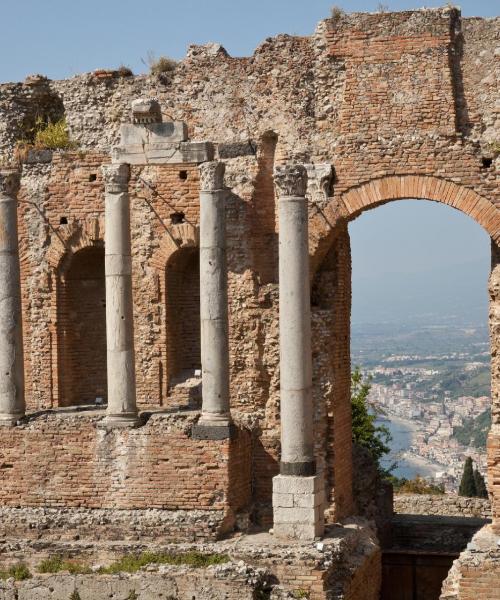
point(409, 464)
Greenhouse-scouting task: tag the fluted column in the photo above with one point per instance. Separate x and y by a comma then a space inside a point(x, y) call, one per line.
point(122, 409)
point(215, 418)
point(12, 405)
point(298, 495)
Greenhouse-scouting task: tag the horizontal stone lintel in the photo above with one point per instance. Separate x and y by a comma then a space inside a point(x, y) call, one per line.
point(166, 153)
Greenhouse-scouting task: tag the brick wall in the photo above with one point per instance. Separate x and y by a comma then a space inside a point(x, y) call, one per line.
point(401, 104)
point(63, 460)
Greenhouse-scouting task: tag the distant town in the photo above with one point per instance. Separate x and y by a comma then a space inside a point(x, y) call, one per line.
point(443, 398)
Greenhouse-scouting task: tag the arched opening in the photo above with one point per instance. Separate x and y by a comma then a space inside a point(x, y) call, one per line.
point(182, 295)
point(330, 288)
point(81, 318)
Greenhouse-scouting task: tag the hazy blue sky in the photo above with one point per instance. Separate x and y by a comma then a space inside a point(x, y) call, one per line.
point(60, 38)
point(423, 241)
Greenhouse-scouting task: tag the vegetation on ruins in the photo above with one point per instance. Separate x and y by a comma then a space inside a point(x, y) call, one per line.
point(124, 71)
point(44, 135)
point(160, 65)
point(19, 572)
point(131, 563)
point(336, 12)
point(55, 564)
point(365, 432)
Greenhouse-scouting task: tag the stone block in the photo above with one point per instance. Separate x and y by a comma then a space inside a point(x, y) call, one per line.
point(294, 484)
point(308, 500)
point(296, 515)
point(299, 531)
point(164, 153)
point(285, 500)
point(152, 133)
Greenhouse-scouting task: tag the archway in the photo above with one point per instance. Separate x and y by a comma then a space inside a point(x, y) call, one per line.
point(182, 297)
point(81, 319)
point(331, 291)
point(331, 296)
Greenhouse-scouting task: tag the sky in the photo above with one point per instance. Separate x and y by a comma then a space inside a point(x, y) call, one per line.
point(60, 38)
point(398, 246)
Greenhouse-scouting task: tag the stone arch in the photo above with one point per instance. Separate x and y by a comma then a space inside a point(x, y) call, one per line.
point(375, 192)
point(331, 292)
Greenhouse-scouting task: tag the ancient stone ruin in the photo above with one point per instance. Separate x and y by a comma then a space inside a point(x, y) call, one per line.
point(175, 303)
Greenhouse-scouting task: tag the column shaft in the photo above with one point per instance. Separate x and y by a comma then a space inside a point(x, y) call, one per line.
point(12, 404)
point(298, 493)
point(213, 304)
point(122, 410)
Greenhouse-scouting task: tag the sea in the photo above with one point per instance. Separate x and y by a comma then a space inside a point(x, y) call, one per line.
point(402, 436)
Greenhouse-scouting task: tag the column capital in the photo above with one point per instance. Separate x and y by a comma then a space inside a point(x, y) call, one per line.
point(290, 180)
point(116, 177)
point(212, 175)
point(9, 182)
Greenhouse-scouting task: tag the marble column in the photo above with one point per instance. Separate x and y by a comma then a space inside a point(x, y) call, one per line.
point(215, 420)
point(298, 494)
point(12, 405)
point(122, 409)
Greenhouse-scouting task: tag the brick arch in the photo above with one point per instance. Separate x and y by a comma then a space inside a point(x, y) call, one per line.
point(71, 238)
point(184, 235)
point(375, 192)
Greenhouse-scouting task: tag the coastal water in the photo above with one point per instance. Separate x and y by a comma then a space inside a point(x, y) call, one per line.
point(402, 436)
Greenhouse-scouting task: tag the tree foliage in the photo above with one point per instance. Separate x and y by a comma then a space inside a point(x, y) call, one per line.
point(467, 483)
point(365, 431)
point(481, 491)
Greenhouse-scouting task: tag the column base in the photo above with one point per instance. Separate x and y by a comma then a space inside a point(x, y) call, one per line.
point(8, 420)
point(213, 429)
point(118, 421)
point(298, 507)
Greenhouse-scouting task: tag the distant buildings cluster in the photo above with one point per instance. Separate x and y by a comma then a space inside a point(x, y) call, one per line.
point(433, 412)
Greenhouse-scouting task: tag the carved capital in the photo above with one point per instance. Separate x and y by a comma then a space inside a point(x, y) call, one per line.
point(290, 180)
point(319, 179)
point(212, 175)
point(116, 178)
point(9, 182)
point(145, 110)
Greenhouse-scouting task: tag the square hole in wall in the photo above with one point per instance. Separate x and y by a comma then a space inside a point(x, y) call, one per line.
point(177, 218)
point(486, 162)
point(183, 174)
point(63, 221)
point(92, 176)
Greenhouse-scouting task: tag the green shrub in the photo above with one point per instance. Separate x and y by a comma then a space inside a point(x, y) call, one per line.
point(131, 563)
point(418, 485)
point(52, 135)
point(18, 571)
point(54, 564)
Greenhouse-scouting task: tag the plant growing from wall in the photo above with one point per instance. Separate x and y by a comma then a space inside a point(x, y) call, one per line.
point(160, 65)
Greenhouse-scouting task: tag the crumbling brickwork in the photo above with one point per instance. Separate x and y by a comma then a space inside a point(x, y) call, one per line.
point(398, 105)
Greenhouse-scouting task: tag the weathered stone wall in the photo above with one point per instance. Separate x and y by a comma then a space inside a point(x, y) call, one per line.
point(401, 104)
point(67, 460)
point(476, 573)
point(445, 505)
